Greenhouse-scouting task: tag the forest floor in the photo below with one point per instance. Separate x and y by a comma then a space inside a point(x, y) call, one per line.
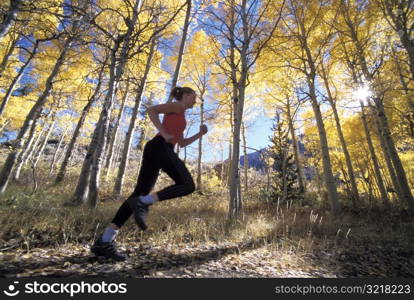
point(371, 259)
point(191, 237)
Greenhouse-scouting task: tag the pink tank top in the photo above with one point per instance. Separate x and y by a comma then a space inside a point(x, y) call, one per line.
point(174, 124)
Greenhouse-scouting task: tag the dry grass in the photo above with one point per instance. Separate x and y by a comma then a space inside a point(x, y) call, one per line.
point(40, 220)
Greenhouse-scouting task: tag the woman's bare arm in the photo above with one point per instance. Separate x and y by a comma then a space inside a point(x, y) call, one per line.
point(185, 142)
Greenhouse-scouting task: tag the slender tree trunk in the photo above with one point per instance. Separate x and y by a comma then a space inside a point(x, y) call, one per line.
point(245, 159)
point(143, 132)
point(33, 114)
point(228, 166)
point(354, 188)
point(239, 66)
point(326, 160)
point(32, 150)
point(374, 158)
point(284, 172)
point(61, 154)
point(143, 124)
point(181, 50)
point(9, 17)
point(43, 145)
point(28, 149)
point(298, 163)
point(346, 179)
point(395, 158)
point(36, 147)
point(108, 165)
point(70, 149)
point(234, 174)
point(55, 154)
point(16, 80)
point(77, 148)
point(128, 139)
point(400, 72)
point(387, 159)
point(375, 187)
point(200, 147)
point(362, 172)
point(350, 168)
point(83, 186)
point(143, 135)
point(98, 144)
point(2, 127)
point(222, 167)
point(117, 152)
point(268, 177)
point(310, 70)
point(235, 201)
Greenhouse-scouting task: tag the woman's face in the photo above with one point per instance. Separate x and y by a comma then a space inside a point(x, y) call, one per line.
point(189, 100)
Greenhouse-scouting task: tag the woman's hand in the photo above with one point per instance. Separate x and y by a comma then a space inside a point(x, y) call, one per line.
point(203, 129)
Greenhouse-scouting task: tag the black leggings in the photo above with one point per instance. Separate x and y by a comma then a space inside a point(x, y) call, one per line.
point(158, 155)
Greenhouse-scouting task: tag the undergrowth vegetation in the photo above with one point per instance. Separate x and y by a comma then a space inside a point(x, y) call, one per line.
point(30, 220)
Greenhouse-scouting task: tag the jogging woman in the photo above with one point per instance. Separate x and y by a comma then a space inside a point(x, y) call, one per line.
point(158, 155)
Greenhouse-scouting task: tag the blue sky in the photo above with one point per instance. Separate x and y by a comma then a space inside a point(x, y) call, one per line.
point(257, 137)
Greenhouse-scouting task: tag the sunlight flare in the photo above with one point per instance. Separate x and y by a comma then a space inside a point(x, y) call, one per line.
point(362, 93)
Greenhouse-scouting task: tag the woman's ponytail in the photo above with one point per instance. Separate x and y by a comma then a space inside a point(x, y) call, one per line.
point(178, 92)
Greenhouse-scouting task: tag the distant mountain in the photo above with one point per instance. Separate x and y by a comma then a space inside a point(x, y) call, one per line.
point(255, 161)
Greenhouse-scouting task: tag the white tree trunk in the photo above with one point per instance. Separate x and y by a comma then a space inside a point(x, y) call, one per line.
point(354, 188)
point(55, 154)
point(128, 139)
point(200, 145)
point(29, 148)
point(245, 159)
point(301, 177)
point(326, 160)
point(36, 159)
point(329, 179)
point(115, 133)
point(181, 50)
point(381, 187)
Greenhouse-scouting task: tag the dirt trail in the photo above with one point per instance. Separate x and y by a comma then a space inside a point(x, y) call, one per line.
point(211, 261)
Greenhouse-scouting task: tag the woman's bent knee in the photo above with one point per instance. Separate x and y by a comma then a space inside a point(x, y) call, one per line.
point(190, 187)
